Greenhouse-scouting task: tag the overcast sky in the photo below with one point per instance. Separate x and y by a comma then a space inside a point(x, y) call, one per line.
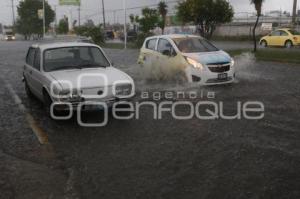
point(91, 8)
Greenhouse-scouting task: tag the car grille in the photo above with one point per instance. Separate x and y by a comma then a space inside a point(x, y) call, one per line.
point(219, 68)
point(211, 81)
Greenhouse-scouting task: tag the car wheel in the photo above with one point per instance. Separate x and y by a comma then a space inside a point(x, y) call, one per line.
point(28, 91)
point(264, 44)
point(288, 44)
point(47, 104)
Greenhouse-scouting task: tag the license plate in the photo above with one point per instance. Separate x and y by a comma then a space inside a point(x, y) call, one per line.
point(222, 76)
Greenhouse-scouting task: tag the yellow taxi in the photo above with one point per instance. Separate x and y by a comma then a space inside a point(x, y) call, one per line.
point(282, 37)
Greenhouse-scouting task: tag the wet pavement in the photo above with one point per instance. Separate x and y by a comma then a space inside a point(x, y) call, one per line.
point(148, 158)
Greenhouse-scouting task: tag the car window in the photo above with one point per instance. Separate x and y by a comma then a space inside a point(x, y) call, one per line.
point(164, 46)
point(275, 33)
point(150, 44)
point(37, 59)
point(294, 32)
point(194, 44)
point(283, 33)
point(30, 56)
point(76, 57)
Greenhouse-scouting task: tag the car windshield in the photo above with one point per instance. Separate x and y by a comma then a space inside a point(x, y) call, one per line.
point(67, 58)
point(193, 45)
point(294, 32)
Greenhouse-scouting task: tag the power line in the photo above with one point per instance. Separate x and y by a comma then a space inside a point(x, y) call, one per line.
point(131, 8)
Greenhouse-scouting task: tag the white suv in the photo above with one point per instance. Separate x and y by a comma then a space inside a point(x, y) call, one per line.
point(201, 61)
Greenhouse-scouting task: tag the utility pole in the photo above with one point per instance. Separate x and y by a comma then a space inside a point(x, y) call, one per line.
point(125, 27)
point(79, 15)
point(103, 13)
point(294, 12)
point(55, 20)
point(44, 20)
point(13, 12)
point(114, 16)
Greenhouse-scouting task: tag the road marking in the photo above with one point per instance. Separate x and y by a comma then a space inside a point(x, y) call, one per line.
point(48, 151)
point(38, 131)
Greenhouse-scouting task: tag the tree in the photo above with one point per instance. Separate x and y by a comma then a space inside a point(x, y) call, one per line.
point(258, 6)
point(95, 32)
point(134, 20)
point(163, 11)
point(63, 26)
point(206, 14)
point(149, 20)
point(28, 22)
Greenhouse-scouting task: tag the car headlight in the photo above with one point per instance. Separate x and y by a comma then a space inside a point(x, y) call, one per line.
point(194, 63)
point(123, 90)
point(69, 97)
point(232, 62)
point(6, 38)
point(13, 37)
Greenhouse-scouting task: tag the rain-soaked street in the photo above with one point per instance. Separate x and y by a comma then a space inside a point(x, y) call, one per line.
point(154, 158)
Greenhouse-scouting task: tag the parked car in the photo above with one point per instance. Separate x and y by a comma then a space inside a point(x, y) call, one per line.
point(69, 74)
point(201, 61)
point(109, 35)
point(131, 36)
point(282, 37)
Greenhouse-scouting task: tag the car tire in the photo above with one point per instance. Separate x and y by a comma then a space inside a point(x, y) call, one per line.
point(264, 44)
point(47, 104)
point(28, 91)
point(288, 44)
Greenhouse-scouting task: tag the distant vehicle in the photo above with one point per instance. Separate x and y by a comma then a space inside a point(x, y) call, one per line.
point(54, 74)
point(9, 36)
point(131, 36)
point(282, 37)
point(201, 61)
point(109, 35)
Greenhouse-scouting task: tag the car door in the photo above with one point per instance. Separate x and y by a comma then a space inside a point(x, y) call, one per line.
point(28, 68)
point(284, 36)
point(37, 76)
point(274, 39)
point(167, 59)
point(147, 57)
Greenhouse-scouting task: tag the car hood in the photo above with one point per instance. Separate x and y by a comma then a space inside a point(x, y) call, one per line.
point(210, 57)
point(91, 77)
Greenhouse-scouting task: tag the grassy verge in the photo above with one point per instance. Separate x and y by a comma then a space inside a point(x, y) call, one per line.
point(119, 45)
point(274, 55)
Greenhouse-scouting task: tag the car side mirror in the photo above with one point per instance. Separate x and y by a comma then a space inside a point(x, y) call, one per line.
point(167, 53)
point(170, 53)
point(112, 63)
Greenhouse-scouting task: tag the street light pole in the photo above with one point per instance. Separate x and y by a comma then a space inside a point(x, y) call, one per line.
point(294, 12)
point(125, 28)
point(44, 20)
point(79, 15)
point(103, 13)
point(13, 11)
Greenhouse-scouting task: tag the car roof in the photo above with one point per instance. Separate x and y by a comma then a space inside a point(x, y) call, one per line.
point(175, 36)
point(45, 46)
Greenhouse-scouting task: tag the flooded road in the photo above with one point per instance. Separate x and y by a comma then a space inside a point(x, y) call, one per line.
point(157, 158)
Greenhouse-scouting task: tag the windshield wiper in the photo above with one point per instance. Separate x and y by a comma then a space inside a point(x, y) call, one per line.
point(70, 67)
point(92, 66)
